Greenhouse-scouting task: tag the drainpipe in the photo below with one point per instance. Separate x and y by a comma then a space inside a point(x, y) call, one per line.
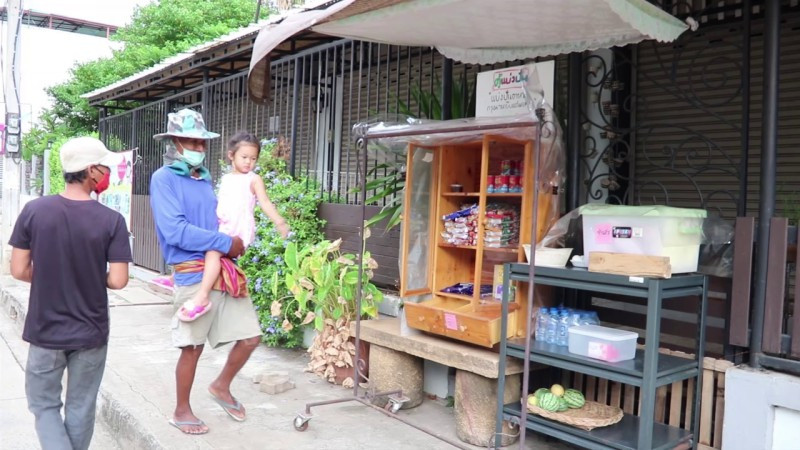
point(574, 132)
point(295, 115)
point(769, 153)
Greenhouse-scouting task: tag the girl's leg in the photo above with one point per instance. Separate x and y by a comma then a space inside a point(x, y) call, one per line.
point(210, 275)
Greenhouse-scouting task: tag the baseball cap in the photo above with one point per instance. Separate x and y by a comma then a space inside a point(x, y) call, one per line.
point(79, 153)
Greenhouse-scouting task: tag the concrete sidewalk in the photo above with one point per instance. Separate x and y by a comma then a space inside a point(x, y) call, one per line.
point(137, 394)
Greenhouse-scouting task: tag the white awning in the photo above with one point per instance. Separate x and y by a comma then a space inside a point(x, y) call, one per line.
point(486, 32)
point(473, 31)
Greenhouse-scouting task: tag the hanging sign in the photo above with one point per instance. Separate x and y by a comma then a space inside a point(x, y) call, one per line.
point(501, 92)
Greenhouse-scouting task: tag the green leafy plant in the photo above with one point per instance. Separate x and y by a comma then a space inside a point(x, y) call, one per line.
point(323, 283)
point(297, 200)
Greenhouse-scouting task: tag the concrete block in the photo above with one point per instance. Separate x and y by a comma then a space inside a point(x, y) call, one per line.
point(274, 382)
point(391, 370)
point(390, 306)
point(475, 408)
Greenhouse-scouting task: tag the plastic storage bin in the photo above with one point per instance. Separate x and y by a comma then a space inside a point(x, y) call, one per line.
point(607, 344)
point(645, 230)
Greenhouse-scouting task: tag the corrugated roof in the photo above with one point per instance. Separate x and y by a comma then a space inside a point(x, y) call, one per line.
point(248, 32)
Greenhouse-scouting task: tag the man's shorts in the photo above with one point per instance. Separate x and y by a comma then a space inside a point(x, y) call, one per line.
point(230, 319)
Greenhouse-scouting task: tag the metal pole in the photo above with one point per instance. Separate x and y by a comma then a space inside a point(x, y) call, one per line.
point(769, 153)
point(11, 167)
point(574, 128)
point(447, 89)
point(295, 101)
point(741, 209)
point(46, 169)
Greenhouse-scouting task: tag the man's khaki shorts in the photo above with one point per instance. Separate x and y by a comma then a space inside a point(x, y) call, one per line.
point(230, 319)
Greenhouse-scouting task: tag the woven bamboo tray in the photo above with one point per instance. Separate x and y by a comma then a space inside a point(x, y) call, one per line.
point(591, 415)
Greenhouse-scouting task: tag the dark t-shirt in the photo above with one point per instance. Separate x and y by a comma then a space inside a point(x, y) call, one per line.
point(70, 242)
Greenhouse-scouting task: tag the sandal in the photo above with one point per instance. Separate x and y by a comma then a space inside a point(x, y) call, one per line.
point(188, 423)
point(189, 315)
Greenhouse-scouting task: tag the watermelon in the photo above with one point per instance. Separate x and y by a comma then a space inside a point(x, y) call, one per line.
point(562, 404)
point(541, 391)
point(549, 402)
point(574, 398)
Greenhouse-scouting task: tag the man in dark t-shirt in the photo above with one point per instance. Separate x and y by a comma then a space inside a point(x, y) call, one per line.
point(71, 249)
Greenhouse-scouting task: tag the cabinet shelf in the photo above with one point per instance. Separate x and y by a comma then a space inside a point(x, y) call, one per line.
point(505, 194)
point(461, 194)
point(514, 250)
point(622, 435)
point(464, 247)
point(455, 296)
point(670, 368)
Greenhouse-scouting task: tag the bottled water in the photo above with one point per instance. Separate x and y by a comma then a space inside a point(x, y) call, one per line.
point(551, 332)
point(563, 326)
point(541, 324)
point(586, 319)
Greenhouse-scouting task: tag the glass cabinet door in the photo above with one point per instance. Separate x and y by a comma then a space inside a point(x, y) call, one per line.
point(418, 209)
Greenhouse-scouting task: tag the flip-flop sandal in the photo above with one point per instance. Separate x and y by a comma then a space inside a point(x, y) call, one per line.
point(188, 423)
point(229, 407)
point(195, 313)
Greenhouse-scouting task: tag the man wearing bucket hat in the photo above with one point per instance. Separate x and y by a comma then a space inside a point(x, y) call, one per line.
point(184, 208)
point(71, 249)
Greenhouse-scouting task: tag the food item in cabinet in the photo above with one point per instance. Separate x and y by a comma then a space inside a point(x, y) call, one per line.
point(514, 184)
point(467, 289)
point(574, 398)
point(455, 187)
point(505, 167)
point(557, 389)
point(501, 184)
point(461, 227)
point(501, 226)
point(549, 402)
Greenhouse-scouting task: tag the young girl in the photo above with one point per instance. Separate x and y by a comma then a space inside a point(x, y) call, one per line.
point(238, 192)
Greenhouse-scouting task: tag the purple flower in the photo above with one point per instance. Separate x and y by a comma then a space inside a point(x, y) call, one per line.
point(255, 259)
point(278, 260)
point(258, 285)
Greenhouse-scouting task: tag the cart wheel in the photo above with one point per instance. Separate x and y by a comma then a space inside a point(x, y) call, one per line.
point(395, 407)
point(300, 424)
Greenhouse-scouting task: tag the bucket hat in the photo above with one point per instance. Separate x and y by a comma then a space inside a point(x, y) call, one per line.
point(186, 123)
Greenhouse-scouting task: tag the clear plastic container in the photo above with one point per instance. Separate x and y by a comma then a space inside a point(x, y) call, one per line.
point(607, 344)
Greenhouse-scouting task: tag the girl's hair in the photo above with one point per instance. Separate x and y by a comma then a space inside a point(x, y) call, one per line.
point(243, 138)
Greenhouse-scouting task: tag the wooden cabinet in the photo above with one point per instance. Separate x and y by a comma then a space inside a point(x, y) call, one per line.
point(430, 264)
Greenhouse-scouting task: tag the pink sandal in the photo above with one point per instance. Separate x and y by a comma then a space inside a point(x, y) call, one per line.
point(189, 315)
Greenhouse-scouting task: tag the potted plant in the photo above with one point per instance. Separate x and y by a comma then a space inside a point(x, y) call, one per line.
point(323, 282)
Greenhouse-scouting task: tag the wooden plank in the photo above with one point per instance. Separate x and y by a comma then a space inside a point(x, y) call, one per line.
point(616, 394)
point(687, 418)
point(602, 391)
point(742, 278)
point(706, 407)
point(675, 404)
point(661, 404)
point(795, 342)
point(629, 398)
point(591, 384)
point(630, 265)
point(579, 381)
point(719, 409)
point(776, 284)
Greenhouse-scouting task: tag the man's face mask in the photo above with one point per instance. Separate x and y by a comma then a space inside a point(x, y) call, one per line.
point(193, 158)
point(101, 185)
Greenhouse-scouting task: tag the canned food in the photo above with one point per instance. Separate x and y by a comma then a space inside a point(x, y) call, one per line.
point(505, 167)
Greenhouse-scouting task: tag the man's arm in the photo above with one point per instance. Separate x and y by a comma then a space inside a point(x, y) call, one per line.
point(177, 231)
point(21, 264)
point(117, 275)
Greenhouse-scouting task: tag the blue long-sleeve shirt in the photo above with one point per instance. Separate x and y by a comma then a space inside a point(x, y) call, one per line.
point(185, 212)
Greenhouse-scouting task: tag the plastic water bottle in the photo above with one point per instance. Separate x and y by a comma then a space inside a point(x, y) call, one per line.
point(541, 324)
point(551, 331)
point(563, 326)
point(586, 319)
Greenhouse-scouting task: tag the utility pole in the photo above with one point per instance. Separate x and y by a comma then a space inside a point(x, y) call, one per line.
point(11, 90)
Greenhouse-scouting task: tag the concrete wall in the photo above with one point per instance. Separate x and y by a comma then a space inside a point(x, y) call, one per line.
point(762, 410)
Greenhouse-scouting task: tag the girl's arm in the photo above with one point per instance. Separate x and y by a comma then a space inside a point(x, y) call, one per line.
point(268, 207)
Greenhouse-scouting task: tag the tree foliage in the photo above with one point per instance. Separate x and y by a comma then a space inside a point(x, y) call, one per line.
point(156, 31)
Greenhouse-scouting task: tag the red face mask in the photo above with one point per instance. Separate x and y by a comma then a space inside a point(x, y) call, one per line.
point(102, 185)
